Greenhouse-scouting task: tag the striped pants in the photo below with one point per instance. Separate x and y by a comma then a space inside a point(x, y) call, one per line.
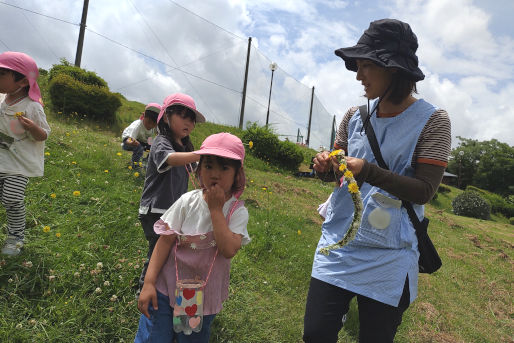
point(12, 193)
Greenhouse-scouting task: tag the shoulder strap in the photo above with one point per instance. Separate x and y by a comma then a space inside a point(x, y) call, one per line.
point(380, 160)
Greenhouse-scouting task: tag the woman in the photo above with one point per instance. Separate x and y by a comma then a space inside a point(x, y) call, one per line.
point(380, 266)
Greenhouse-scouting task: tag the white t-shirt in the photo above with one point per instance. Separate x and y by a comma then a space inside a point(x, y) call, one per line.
point(21, 153)
point(190, 215)
point(137, 131)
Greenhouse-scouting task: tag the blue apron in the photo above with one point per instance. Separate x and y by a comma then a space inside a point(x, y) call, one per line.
point(384, 251)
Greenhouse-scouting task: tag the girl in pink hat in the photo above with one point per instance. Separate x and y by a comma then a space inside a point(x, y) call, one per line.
point(188, 277)
point(23, 131)
point(169, 164)
point(137, 136)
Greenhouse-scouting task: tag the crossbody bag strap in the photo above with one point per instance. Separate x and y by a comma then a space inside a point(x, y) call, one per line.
point(372, 138)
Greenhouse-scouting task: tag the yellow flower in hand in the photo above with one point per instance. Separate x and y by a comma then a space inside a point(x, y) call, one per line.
point(18, 114)
point(250, 144)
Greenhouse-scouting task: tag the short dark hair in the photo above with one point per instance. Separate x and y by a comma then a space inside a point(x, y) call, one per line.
point(402, 85)
point(152, 115)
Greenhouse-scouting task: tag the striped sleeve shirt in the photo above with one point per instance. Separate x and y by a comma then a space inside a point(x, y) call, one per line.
point(434, 142)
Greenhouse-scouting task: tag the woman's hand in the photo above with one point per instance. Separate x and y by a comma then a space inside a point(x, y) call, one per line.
point(148, 294)
point(322, 163)
point(354, 164)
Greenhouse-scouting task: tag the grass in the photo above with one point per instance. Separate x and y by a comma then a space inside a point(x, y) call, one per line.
point(79, 287)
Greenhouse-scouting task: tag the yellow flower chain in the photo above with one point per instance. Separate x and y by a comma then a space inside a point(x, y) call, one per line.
point(353, 188)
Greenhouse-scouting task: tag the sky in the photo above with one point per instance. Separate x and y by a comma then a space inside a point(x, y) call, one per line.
point(147, 50)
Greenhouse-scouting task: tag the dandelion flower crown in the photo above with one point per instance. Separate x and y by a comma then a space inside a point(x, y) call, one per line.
point(353, 188)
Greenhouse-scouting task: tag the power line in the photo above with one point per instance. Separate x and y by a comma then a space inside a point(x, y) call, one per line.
point(204, 19)
point(159, 61)
point(41, 14)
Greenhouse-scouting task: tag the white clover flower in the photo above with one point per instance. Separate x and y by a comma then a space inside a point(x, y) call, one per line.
point(19, 326)
point(76, 274)
point(107, 283)
point(99, 265)
point(51, 277)
point(98, 290)
point(10, 280)
point(114, 298)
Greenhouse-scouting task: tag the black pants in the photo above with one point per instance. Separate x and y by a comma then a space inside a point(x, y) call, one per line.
point(326, 305)
point(147, 221)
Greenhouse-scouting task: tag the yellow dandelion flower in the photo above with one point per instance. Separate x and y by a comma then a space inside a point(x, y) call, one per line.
point(335, 153)
point(119, 153)
point(353, 188)
point(46, 229)
point(47, 153)
point(106, 171)
point(250, 144)
point(73, 162)
point(53, 195)
point(76, 193)
point(130, 167)
point(67, 133)
point(18, 114)
point(58, 234)
point(342, 167)
point(140, 164)
point(348, 174)
point(299, 232)
point(136, 174)
point(264, 188)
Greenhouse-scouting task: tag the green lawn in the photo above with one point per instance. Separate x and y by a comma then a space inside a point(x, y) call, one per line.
point(75, 283)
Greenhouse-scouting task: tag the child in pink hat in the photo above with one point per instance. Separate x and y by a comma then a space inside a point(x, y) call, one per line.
point(138, 135)
point(23, 131)
point(188, 276)
point(170, 162)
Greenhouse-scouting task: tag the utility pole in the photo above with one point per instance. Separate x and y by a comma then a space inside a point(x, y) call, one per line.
point(244, 85)
point(78, 55)
point(307, 141)
point(333, 134)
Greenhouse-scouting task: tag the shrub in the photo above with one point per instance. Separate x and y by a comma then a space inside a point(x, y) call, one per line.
point(268, 147)
point(511, 220)
point(444, 189)
point(498, 203)
point(471, 204)
point(77, 73)
point(69, 95)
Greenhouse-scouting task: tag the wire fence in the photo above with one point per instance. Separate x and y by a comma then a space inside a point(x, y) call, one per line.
point(211, 69)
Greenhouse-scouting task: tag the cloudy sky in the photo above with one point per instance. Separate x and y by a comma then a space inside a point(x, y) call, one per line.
point(149, 49)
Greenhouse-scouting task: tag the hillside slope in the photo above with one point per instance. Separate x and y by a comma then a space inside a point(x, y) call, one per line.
point(85, 248)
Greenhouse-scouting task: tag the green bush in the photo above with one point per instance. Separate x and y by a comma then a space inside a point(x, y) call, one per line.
point(511, 220)
point(471, 204)
point(444, 189)
point(79, 74)
point(72, 96)
point(268, 147)
point(498, 203)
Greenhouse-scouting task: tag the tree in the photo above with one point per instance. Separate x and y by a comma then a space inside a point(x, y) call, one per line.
point(488, 165)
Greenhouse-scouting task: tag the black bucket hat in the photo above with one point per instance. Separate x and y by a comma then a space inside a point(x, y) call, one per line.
point(390, 43)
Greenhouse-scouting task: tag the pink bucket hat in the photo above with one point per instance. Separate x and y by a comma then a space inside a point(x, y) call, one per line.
point(181, 99)
point(226, 145)
point(23, 64)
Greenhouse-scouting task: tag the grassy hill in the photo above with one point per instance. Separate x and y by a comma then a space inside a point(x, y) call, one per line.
point(75, 280)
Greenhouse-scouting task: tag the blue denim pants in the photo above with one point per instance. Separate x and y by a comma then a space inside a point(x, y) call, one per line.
point(159, 328)
point(137, 151)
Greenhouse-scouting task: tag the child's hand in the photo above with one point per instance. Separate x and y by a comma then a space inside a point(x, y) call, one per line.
point(148, 294)
point(26, 123)
point(132, 141)
point(215, 198)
